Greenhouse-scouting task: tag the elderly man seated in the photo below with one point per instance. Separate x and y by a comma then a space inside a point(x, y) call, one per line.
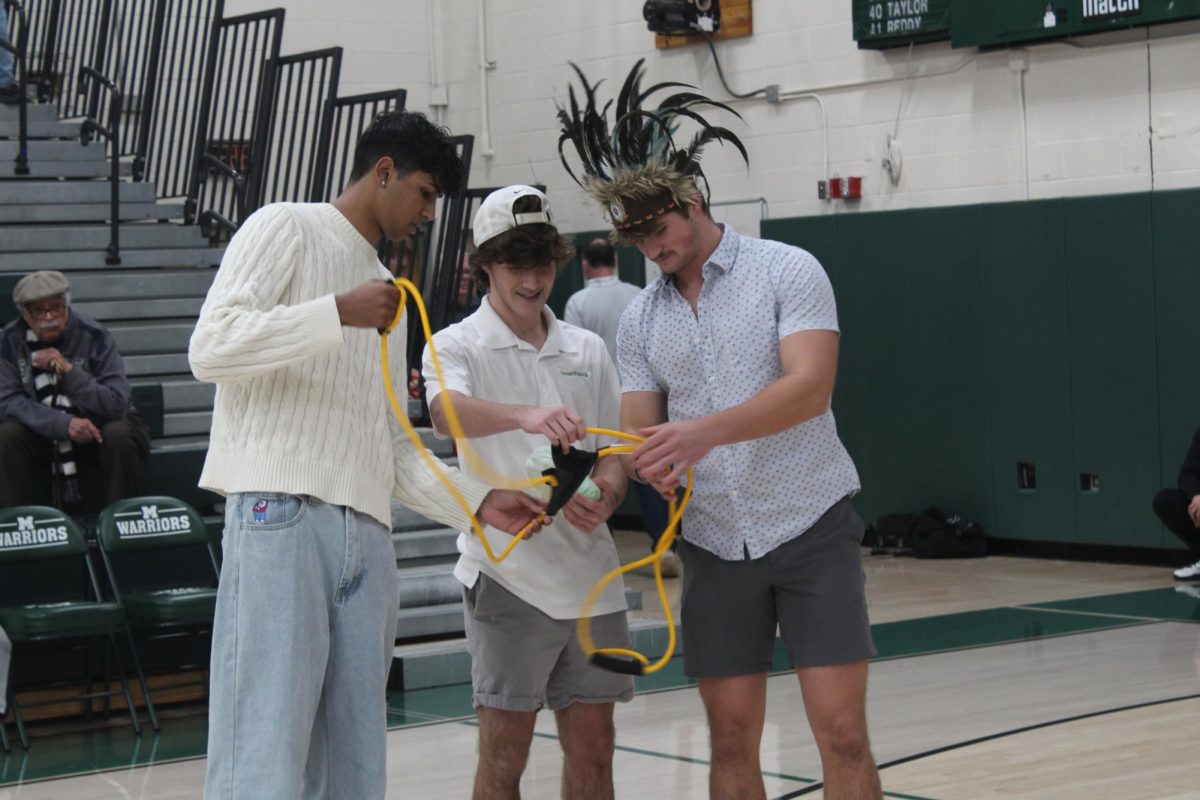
point(65, 410)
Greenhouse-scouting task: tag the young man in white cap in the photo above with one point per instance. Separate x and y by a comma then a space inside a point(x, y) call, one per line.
point(65, 412)
point(518, 379)
point(307, 450)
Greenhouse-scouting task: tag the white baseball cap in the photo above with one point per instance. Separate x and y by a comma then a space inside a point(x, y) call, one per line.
point(495, 214)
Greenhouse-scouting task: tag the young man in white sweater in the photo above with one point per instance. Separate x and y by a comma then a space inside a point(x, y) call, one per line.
point(305, 447)
point(519, 379)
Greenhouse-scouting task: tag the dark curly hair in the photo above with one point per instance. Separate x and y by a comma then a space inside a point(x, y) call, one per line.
point(522, 247)
point(414, 144)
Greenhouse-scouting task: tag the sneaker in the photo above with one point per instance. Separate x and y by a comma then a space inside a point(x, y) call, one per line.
point(1188, 573)
point(10, 95)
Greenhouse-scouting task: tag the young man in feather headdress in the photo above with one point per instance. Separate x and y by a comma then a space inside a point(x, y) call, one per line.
point(727, 366)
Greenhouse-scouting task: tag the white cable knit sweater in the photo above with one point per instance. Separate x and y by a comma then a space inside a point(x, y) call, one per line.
point(300, 405)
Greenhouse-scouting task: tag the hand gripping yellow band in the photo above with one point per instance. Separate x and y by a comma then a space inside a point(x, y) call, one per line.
point(610, 658)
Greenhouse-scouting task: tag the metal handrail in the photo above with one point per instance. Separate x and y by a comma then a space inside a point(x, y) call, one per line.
point(18, 50)
point(238, 90)
point(113, 134)
point(210, 221)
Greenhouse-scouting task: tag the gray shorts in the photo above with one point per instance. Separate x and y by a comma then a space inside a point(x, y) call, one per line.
point(811, 587)
point(523, 660)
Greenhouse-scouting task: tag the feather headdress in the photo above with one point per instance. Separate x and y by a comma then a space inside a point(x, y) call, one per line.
point(634, 169)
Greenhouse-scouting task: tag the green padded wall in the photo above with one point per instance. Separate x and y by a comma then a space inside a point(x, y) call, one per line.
point(8, 309)
point(1057, 333)
point(1029, 393)
point(950, 455)
point(1114, 406)
point(1176, 274)
point(631, 268)
point(872, 400)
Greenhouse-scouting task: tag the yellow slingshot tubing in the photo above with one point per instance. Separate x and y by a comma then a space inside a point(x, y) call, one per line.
point(612, 658)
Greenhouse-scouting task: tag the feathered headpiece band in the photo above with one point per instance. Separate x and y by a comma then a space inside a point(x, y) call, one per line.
point(635, 170)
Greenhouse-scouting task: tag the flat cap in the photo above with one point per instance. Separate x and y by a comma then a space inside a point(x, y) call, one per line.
point(40, 285)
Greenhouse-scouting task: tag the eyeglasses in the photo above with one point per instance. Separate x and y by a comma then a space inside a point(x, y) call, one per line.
point(47, 310)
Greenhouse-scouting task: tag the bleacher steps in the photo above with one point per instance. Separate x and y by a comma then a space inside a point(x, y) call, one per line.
point(63, 169)
point(428, 586)
point(87, 212)
point(425, 543)
point(56, 150)
point(140, 308)
point(184, 393)
point(39, 129)
point(94, 258)
point(157, 364)
point(48, 192)
point(96, 236)
point(187, 423)
point(137, 284)
point(34, 112)
point(140, 337)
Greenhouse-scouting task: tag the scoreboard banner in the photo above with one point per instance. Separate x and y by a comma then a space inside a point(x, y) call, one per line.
point(880, 24)
point(992, 23)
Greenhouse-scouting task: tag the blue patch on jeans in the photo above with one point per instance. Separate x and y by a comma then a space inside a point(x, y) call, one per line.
point(260, 510)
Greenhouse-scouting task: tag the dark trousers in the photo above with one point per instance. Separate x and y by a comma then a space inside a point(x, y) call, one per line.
point(108, 471)
point(1171, 507)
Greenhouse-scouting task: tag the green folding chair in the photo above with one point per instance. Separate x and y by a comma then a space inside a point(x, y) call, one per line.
point(162, 568)
point(50, 598)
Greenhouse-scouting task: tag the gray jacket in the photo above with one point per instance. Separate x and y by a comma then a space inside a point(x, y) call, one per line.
point(97, 385)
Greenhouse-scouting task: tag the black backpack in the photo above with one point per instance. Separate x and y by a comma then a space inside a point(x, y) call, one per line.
point(930, 534)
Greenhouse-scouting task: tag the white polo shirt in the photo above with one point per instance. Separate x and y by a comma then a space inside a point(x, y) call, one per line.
point(481, 357)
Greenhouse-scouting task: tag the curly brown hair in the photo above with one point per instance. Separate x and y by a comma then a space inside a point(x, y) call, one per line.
point(522, 247)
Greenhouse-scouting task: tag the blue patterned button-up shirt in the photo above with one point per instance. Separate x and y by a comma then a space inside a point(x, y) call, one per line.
point(753, 496)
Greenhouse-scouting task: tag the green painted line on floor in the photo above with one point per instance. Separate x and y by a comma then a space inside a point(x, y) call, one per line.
point(102, 749)
point(979, 628)
point(1176, 603)
point(1128, 617)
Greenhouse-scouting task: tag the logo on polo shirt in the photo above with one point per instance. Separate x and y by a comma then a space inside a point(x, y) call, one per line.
point(574, 373)
point(31, 533)
point(152, 521)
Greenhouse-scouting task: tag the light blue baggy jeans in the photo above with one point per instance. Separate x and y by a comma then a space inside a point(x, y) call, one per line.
point(302, 642)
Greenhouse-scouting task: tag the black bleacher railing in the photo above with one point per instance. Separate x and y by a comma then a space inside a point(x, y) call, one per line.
point(305, 84)
point(345, 118)
point(18, 45)
point(91, 126)
point(153, 50)
point(443, 243)
point(239, 79)
point(208, 108)
point(175, 100)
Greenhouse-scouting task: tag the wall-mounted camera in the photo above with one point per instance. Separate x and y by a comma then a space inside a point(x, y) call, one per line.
point(682, 16)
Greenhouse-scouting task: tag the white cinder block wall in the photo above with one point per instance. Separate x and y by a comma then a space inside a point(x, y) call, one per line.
point(1119, 113)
